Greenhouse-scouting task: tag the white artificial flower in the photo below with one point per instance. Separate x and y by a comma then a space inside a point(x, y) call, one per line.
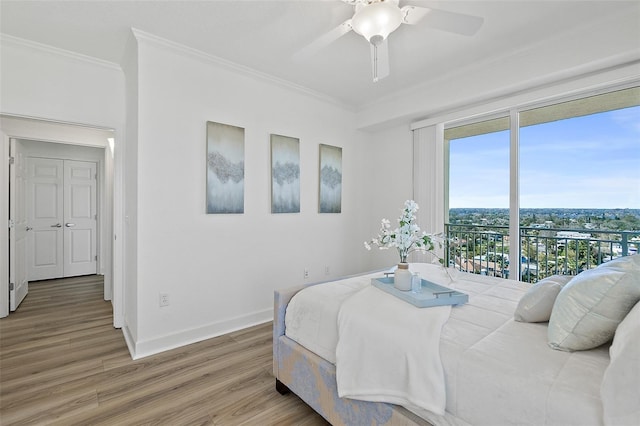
point(407, 237)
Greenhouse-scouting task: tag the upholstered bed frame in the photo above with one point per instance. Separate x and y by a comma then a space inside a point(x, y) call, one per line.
point(313, 379)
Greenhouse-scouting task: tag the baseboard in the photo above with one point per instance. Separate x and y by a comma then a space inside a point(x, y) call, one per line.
point(175, 340)
point(131, 345)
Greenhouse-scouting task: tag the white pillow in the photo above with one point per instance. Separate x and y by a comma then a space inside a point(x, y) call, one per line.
point(537, 302)
point(620, 390)
point(590, 307)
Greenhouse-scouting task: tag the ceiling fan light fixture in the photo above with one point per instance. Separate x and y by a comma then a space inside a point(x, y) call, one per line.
point(377, 20)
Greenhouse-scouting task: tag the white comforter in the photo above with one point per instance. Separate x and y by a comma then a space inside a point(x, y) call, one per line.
point(497, 371)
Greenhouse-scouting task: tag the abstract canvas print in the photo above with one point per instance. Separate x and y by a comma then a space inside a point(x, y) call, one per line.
point(330, 179)
point(225, 168)
point(285, 174)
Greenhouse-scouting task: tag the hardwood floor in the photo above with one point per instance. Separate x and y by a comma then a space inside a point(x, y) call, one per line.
point(63, 363)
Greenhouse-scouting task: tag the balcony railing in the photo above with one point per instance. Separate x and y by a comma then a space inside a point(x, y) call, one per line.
point(484, 249)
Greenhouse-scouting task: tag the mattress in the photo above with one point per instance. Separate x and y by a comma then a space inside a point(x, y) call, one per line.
point(497, 371)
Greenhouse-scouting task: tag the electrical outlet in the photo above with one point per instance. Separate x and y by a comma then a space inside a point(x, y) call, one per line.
point(164, 299)
point(306, 274)
point(326, 270)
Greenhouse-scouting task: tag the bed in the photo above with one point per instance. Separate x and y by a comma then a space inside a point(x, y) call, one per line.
point(496, 370)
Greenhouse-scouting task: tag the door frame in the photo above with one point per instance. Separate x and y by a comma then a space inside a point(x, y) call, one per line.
point(27, 128)
point(4, 230)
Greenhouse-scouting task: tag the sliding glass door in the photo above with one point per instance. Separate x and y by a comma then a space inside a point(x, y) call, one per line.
point(566, 173)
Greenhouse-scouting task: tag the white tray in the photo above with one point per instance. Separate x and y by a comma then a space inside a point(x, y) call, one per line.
point(432, 294)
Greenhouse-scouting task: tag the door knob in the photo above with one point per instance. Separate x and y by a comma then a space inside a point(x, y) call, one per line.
point(28, 228)
point(57, 225)
point(69, 225)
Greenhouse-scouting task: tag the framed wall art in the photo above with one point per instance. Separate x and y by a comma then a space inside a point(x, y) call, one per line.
point(225, 168)
point(285, 174)
point(330, 191)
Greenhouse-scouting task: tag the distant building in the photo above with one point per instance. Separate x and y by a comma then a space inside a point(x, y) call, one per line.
point(573, 235)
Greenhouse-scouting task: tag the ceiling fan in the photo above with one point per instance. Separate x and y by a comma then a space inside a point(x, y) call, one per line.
point(376, 19)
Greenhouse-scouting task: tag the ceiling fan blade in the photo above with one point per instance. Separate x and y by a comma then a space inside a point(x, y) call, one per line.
point(452, 22)
point(380, 60)
point(322, 41)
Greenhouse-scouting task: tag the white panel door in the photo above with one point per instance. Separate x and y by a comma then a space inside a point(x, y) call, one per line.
point(80, 220)
point(19, 285)
point(45, 217)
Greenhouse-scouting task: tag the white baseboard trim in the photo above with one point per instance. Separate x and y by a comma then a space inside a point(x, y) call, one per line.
point(131, 345)
point(171, 341)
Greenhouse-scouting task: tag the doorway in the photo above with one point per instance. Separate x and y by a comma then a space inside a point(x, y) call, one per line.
point(56, 137)
point(58, 202)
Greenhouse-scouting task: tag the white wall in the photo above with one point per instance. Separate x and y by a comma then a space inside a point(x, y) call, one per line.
point(44, 82)
point(388, 170)
point(220, 270)
point(62, 90)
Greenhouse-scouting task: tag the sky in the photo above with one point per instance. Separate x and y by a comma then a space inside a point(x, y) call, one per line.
point(582, 162)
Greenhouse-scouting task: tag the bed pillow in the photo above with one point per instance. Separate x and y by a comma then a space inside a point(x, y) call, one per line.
point(537, 302)
point(590, 307)
point(620, 390)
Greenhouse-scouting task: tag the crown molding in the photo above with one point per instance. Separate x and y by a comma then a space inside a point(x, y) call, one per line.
point(235, 67)
point(49, 121)
point(41, 47)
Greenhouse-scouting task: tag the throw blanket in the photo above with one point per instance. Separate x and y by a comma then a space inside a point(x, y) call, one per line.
point(389, 351)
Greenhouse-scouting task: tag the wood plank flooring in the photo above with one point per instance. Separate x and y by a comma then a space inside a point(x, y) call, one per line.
point(63, 363)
